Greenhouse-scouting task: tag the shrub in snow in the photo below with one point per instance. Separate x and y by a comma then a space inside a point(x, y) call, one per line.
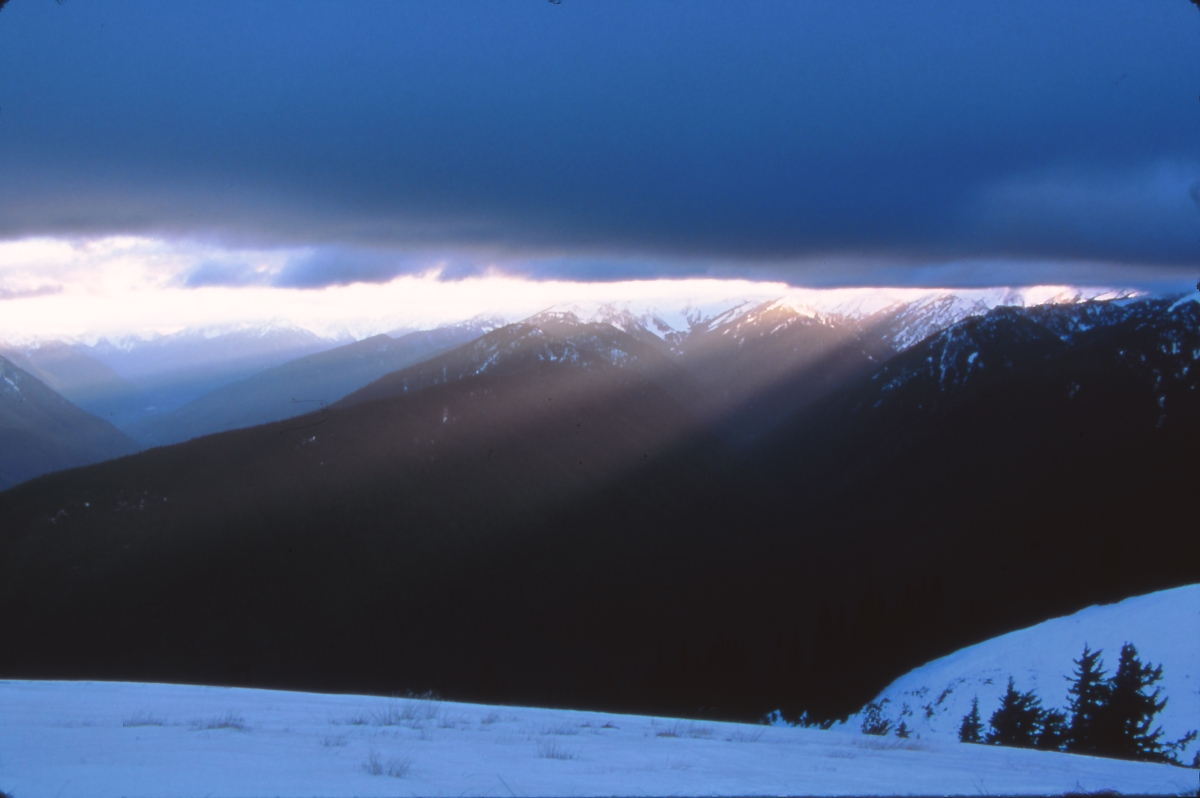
point(873, 720)
point(226, 721)
point(142, 719)
point(397, 767)
point(551, 749)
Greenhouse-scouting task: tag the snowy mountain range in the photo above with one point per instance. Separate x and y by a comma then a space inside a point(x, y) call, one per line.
point(567, 493)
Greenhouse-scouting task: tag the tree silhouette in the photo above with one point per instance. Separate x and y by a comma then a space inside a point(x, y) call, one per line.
point(1018, 721)
point(971, 730)
point(1089, 695)
point(1053, 733)
point(1128, 715)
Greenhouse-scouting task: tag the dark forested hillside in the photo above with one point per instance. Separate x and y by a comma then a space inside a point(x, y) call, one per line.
point(774, 361)
point(1023, 473)
point(543, 516)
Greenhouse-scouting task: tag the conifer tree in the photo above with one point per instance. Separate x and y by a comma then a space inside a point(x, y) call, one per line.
point(1089, 695)
point(1018, 721)
point(1128, 715)
point(971, 730)
point(1053, 733)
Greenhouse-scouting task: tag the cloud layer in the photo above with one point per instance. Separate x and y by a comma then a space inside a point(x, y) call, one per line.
point(604, 141)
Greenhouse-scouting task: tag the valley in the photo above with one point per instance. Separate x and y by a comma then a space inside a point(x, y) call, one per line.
point(776, 512)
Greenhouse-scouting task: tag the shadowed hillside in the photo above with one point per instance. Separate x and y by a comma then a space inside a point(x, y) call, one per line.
point(541, 516)
point(302, 385)
point(41, 431)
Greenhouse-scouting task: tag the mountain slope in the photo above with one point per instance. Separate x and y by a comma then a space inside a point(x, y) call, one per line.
point(548, 338)
point(1013, 475)
point(549, 493)
point(41, 431)
point(171, 370)
point(339, 548)
point(933, 699)
point(81, 379)
point(302, 385)
point(772, 361)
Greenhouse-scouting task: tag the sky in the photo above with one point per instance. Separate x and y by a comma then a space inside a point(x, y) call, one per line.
point(290, 149)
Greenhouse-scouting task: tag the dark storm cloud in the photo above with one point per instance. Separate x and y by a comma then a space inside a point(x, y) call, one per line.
point(345, 265)
point(210, 273)
point(605, 140)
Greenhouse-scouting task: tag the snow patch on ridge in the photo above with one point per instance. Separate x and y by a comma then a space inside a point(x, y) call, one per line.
point(1164, 626)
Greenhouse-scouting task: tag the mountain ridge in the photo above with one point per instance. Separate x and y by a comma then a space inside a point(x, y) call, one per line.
point(40, 431)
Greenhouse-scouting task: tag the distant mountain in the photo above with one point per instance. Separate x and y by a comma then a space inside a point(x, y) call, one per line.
point(905, 324)
point(1076, 361)
point(545, 515)
point(775, 359)
point(41, 431)
point(541, 475)
point(1020, 468)
point(758, 363)
point(933, 699)
point(547, 338)
point(82, 379)
point(302, 385)
point(172, 370)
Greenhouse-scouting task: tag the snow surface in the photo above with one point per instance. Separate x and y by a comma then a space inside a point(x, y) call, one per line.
point(121, 739)
point(1192, 297)
point(919, 312)
point(1164, 626)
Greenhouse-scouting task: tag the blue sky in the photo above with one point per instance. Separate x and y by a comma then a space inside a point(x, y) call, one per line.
point(818, 143)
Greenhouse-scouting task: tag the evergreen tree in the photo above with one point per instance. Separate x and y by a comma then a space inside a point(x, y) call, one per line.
point(1089, 695)
point(1018, 721)
point(971, 730)
point(1053, 733)
point(1128, 715)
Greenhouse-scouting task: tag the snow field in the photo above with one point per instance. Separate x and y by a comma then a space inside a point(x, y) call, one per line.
point(123, 739)
point(1164, 626)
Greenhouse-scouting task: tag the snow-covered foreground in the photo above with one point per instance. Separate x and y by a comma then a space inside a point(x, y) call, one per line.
point(119, 739)
point(1165, 627)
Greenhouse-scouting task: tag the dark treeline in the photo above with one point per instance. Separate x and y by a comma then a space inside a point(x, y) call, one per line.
point(1112, 717)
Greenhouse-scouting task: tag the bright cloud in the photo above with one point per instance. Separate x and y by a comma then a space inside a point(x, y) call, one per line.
point(119, 286)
